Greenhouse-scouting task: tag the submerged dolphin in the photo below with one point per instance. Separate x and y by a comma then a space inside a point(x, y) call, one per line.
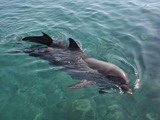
point(80, 66)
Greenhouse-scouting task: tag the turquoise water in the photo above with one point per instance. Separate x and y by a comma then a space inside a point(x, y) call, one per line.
point(125, 33)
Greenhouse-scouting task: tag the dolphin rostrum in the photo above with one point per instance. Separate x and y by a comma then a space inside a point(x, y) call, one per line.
point(71, 58)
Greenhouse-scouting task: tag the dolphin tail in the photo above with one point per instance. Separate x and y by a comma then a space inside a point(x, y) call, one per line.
point(82, 83)
point(45, 39)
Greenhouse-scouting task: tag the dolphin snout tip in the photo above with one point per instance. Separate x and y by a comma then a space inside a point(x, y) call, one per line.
point(126, 89)
point(129, 92)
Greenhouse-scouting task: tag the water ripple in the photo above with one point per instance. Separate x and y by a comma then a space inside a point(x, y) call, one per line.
point(125, 33)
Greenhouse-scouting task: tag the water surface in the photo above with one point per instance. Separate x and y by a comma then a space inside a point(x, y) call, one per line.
point(125, 33)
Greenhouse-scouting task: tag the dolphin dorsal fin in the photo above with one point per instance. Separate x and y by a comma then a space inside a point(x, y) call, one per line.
point(46, 36)
point(73, 45)
point(48, 39)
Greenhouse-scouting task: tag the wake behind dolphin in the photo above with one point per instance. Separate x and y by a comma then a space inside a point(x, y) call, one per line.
point(76, 63)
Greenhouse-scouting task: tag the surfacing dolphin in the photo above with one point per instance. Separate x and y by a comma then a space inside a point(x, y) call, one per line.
point(71, 58)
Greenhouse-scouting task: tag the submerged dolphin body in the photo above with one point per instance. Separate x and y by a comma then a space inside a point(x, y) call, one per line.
point(72, 59)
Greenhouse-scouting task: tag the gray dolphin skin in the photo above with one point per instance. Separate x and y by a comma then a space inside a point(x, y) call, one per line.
point(77, 64)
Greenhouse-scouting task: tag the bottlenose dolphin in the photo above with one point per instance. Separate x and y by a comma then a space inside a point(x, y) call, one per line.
point(76, 63)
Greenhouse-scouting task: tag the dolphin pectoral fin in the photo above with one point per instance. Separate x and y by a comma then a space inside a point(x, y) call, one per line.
point(45, 39)
point(82, 83)
point(108, 89)
point(102, 91)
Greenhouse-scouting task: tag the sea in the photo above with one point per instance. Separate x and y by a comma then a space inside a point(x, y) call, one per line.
point(125, 33)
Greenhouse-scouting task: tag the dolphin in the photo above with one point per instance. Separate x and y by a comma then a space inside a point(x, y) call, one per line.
point(75, 62)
